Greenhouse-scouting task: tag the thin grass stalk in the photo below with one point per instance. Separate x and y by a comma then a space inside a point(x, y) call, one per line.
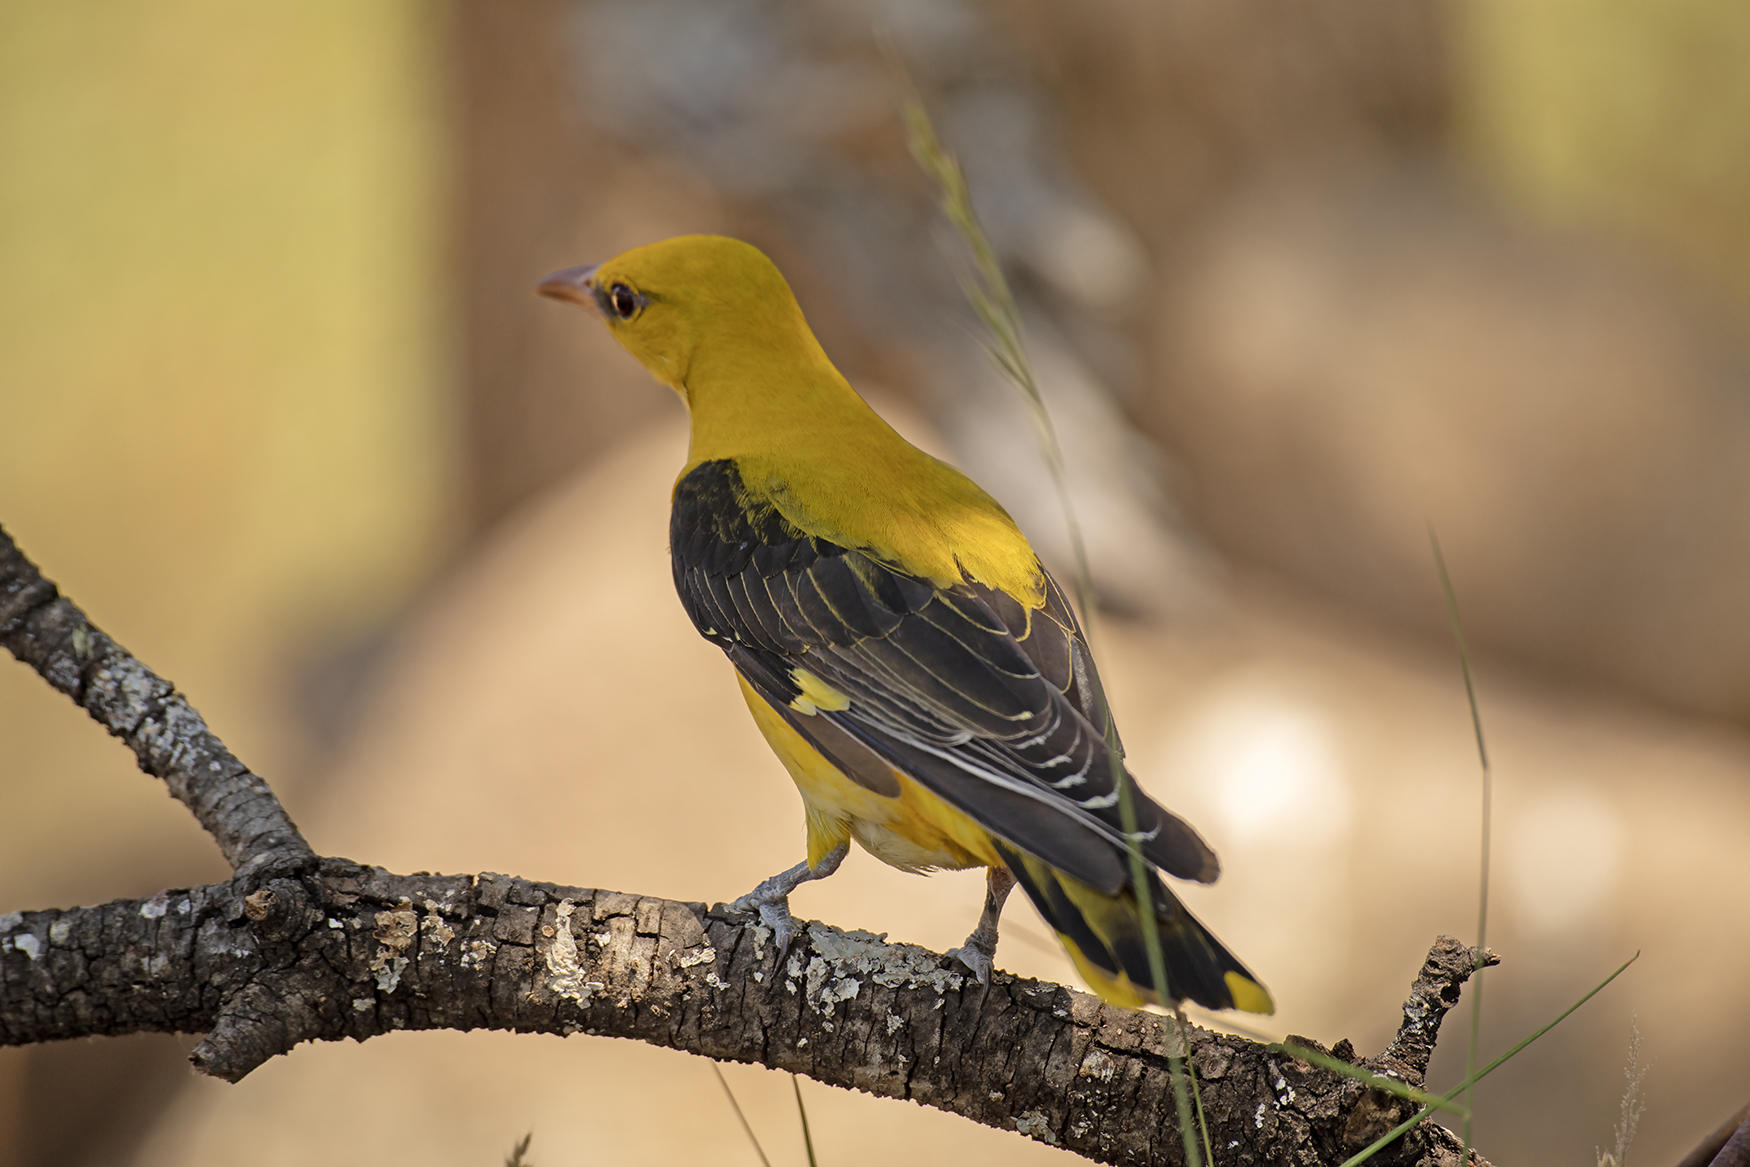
point(746, 1128)
point(988, 292)
point(1476, 719)
point(802, 1113)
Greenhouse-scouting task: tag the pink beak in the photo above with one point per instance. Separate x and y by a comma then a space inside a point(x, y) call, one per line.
point(571, 283)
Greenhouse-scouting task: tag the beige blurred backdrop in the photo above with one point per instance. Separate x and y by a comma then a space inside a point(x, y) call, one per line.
point(279, 409)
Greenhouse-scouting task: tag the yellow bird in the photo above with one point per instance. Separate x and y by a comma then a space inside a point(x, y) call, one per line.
point(913, 665)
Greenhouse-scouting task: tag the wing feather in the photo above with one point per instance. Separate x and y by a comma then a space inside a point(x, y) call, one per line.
point(992, 705)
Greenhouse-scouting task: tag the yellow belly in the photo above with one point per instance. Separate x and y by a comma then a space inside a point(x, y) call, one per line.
point(915, 831)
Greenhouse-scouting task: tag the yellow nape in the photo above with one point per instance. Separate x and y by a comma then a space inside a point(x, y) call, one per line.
point(816, 694)
point(1248, 995)
point(713, 318)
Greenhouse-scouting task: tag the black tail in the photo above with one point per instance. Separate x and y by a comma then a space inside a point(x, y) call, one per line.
point(1103, 935)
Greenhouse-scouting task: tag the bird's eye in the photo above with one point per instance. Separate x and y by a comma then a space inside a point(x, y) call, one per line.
point(625, 302)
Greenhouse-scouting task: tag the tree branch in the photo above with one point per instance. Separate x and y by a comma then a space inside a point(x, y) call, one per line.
point(1717, 1150)
point(47, 631)
point(354, 951)
point(294, 948)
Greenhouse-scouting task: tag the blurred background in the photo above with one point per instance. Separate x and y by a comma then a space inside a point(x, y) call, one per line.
point(279, 408)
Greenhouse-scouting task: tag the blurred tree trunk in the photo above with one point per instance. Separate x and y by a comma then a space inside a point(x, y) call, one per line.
point(522, 168)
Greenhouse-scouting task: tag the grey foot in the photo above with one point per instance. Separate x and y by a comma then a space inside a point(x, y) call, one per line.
point(974, 957)
point(981, 947)
point(771, 899)
point(773, 911)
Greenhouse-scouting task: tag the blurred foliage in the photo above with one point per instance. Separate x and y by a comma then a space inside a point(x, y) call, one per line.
point(1628, 115)
point(217, 366)
point(222, 421)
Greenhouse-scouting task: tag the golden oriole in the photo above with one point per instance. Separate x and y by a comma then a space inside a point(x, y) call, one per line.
point(913, 665)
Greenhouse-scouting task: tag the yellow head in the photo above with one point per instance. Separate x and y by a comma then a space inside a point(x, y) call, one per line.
point(713, 319)
point(689, 301)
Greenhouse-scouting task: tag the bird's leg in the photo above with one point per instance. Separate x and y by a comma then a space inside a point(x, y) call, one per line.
point(771, 899)
point(981, 947)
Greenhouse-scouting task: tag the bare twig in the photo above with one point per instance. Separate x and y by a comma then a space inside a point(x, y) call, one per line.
point(47, 631)
point(1433, 994)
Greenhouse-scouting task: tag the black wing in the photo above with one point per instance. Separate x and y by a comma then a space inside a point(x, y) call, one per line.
point(992, 706)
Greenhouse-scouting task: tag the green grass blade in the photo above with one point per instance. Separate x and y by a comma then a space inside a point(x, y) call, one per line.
point(1471, 1080)
point(1470, 690)
point(1196, 1094)
point(742, 1118)
point(802, 1113)
point(994, 305)
point(1368, 1078)
point(1476, 720)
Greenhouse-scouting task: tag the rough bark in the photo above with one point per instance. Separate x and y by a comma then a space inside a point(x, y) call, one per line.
point(295, 948)
point(354, 951)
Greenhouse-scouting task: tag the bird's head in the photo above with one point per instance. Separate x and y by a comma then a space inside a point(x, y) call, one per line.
point(668, 303)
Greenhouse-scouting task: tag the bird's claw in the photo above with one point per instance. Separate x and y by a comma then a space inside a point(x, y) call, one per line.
point(773, 912)
point(980, 949)
point(776, 916)
point(974, 958)
point(771, 899)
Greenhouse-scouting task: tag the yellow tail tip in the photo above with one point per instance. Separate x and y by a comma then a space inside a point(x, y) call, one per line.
point(1248, 995)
